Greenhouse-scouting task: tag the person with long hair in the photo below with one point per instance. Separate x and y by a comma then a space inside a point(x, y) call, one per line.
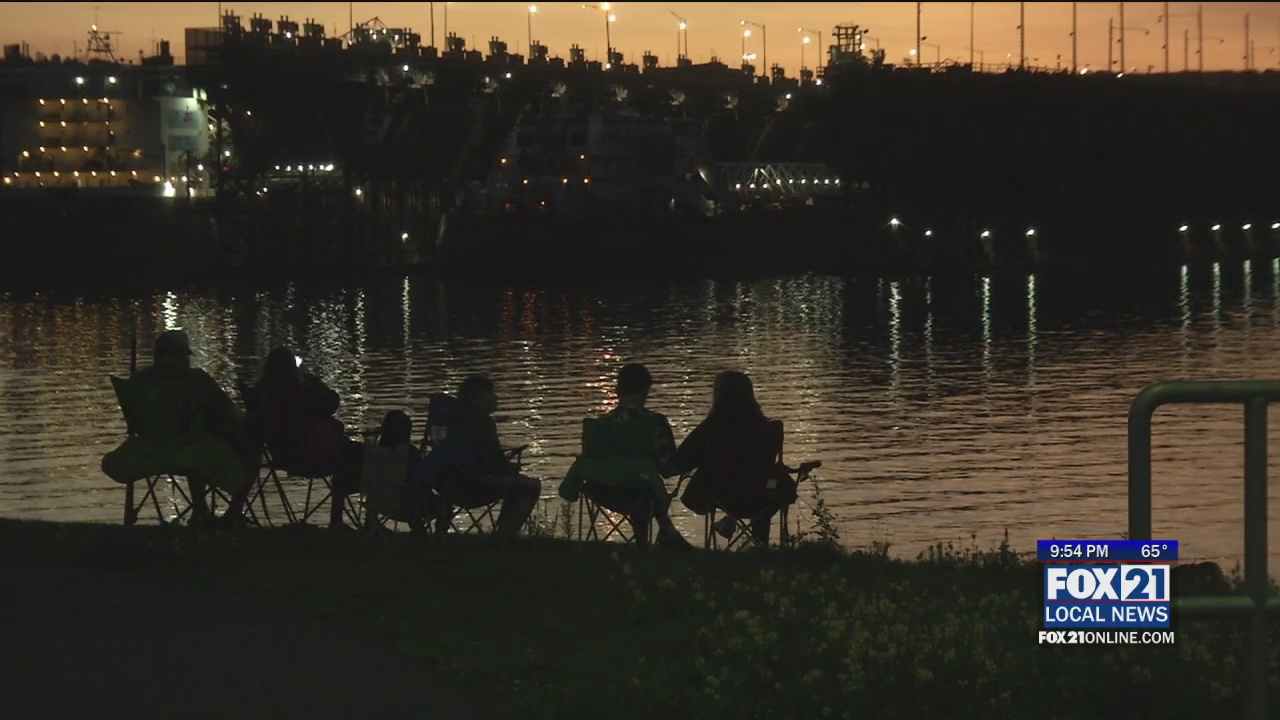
point(735, 460)
point(293, 414)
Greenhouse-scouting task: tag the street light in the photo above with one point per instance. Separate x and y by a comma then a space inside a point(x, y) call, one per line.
point(608, 41)
point(764, 42)
point(803, 42)
point(533, 9)
point(821, 50)
point(938, 50)
point(681, 28)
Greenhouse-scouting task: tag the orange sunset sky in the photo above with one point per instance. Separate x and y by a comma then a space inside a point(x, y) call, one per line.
point(713, 28)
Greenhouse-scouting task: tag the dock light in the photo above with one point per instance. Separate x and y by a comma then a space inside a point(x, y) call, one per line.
point(737, 186)
point(928, 233)
point(405, 68)
point(502, 161)
point(329, 167)
point(788, 96)
point(57, 174)
point(113, 173)
point(837, 181)
point(894, 222)
point(41, 101)
point(184, 179)
point(827, 181)
point(1246, 227)
point(37, 173)
point(525, 181)
point(111, 80)
point(586, 181)
point(157, 178)
point(93, 173)
point(84, 101)
point(41, 123)
point(63, 101)
point(200, 167)
point(752, 186)
point(1031, 232)
point(985, 234)
point(75, 173)
point(1183, 228)
point(226, 153)
point(564, 181)
point(359, 192)
point(404, 236)
point(287, 168)
point(79, 80)
point(508, 76)
point(1120, 75)
point(1216, 228)
point(41, 148)
point(135, 173)
point(582, 157)
point(26, 153)
point(169, 190)
point(818, 81)
point(64, 123)
point(85, 148)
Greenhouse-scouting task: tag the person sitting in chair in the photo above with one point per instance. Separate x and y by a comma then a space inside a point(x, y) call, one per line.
point(627, 495)
point(293, 414)
point(736, 457)
point(488, 473)
point(210, 439)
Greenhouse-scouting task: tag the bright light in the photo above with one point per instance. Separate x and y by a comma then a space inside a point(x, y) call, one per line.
point(169, 190)
point(1084, 71)
point(928, 233)
point(1216, 228)
point(404, 236)
point(564, 181)
point(818, 81)
point(746, 33)
point(1275, 226)
point(806, 40)
point(533, 8)
point(863, 46)
point(1247, 227)
point(1031, 232)
point(111, 80)
point(8, 180)
point(200, 167)
point(359, 192)
point(184, 179)
point(684, 25)
point(894, 222)
point(508, 76)
point(605, 6)
point(79, 80)
point(226, 153)
point(1120, 75)
point(1183, 228)
point(985, 234)
point(26, 153)
point(788, 96)
point(737, 186)
point(405, 68)
point(613, 18)
point(912, 53)
point(525, 181)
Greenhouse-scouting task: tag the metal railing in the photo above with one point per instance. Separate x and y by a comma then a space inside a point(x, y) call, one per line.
point(1256, 603)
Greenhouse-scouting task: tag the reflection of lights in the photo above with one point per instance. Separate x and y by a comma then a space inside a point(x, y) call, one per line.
point(986, 328)
point(169, 311)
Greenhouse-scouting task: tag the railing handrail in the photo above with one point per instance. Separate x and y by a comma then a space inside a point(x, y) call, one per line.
point(1254, 395)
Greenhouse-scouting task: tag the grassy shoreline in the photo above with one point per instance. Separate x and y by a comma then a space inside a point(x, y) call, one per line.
point(563, 629)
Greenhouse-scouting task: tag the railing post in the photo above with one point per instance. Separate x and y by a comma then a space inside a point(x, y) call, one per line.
point(1255, 557)
point(1140, 412)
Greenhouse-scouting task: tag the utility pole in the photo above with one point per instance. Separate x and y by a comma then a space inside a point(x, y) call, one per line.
point(1111, 43)
point(1200, 32)
point(1022, 36)
point(1123, 67)
point(918, 57)
point(971, 6)
point(1186, 50)
point(1074, 67)
point(433, 24)
point(1166, 38)
point(1246, 41)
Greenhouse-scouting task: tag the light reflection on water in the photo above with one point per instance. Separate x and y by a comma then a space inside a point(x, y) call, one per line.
point(942, 409)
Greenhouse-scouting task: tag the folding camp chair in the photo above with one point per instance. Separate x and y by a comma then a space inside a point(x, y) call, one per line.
point(148, 412)
point(617, 464)
point(464, 505)
point(759, 500)
point(382, 482)
point(273, 474)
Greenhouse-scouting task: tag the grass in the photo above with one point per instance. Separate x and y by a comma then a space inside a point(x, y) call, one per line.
point(563, 629)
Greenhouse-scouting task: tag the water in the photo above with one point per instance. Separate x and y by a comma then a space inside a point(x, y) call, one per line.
point(943, 410)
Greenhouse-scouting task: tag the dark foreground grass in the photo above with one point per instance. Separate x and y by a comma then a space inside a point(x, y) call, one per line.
point(567, 630)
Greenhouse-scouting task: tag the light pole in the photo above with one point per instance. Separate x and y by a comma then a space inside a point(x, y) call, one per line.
point(982, 58)
point(1022, 35)
point(533, 9)
point(681, 29)
point(972, 5)
point(821, 50)
point(803, 42)
point(764, 44)
point(938, 56)
point(608, 41)
point(1167, 19)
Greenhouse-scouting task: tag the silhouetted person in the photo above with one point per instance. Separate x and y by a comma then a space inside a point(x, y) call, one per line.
point(626, 495)
point(293, 414)
point(217, 415)
point(490, 473)
point(736, 460)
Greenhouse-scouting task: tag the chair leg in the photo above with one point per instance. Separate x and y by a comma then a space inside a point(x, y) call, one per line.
point(130, 511)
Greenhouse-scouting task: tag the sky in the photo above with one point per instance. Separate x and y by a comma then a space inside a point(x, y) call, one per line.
point(713, 28)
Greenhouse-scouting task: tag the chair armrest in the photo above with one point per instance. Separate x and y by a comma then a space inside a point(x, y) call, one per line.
point(804, 470)
point(679, 482)
point(516, 454)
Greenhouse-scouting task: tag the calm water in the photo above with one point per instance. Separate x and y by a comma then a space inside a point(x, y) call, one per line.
point(942, 410)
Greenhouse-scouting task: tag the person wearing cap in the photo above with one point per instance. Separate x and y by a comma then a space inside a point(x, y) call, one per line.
point(212, 443)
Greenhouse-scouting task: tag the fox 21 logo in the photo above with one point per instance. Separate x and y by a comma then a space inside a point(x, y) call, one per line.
point(1100, 583)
